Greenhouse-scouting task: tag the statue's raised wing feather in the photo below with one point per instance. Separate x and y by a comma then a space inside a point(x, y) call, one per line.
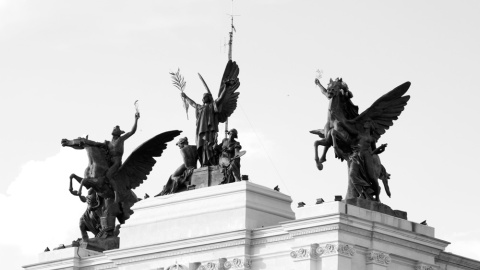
point(140, 163)
point(385, 110)
point(229, 84)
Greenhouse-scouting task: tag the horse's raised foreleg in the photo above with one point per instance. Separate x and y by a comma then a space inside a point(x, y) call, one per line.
point(326, 143)
point(74, 192)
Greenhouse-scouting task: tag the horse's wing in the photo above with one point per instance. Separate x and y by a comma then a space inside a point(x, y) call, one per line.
point(139, 164)
point(383, 111)
point(231, 82)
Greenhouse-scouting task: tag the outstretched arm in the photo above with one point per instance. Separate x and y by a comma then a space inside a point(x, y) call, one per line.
point(134, 128)
point(189, 100)
point(324, 91)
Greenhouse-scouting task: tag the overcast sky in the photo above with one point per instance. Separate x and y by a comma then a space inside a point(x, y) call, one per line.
point(75, 68)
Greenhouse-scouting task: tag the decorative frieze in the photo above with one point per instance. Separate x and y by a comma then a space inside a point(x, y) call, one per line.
point(314, 230)
point(378, 257)
point(304, 253)
point(331, 249)
point(237, 263)
point(301, 253)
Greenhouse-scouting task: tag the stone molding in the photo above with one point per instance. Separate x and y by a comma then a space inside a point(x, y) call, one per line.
point(271, 239)
point(424, 266)
point(237, 263)
point(100, 267)
point(314, 230)
point(334, 249)
point(378, 257)
point(181, 252)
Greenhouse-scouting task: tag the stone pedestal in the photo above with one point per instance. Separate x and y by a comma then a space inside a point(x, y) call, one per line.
point(207, 211)
point(206, 177)
point(246, 226)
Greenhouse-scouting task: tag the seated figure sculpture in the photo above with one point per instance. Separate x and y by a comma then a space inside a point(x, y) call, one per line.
point(179, 180)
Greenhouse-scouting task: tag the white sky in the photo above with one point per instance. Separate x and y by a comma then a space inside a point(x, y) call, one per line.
point(70, 68)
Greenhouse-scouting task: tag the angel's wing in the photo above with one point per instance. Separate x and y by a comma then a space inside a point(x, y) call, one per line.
point(228, 86)
point(383, 111)
point(139, 164)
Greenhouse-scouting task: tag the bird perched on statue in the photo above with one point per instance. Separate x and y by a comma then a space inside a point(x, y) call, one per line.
point(146, 196)
point(276, 188)
point(301, 204)
point(424, 222)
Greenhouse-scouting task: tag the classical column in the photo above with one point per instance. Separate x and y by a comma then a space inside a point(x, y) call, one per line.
point(377, 260)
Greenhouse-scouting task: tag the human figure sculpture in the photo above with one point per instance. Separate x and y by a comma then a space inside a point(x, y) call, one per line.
point(230, 157)
point(207, 127)
point(115, 151)
point(180, 179)
point(90, 220)
point(214, 111)
point(364, 167)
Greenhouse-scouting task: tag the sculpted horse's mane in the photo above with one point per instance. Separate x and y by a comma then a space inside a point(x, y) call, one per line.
point(349, 109)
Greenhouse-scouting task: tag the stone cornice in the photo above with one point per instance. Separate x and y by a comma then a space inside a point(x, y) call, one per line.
point(191, 243)
point(181, 251)
point(410, 240)
point(453, 259)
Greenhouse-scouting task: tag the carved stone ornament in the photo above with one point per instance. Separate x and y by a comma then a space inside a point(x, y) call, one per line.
point(208, 266)
point(343, 249)
point(379, 257)
point(425, 267)
point(237, 264)
point(177, 267)
point(300, 253)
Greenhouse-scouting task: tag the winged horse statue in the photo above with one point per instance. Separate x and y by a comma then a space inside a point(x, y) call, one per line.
point(354, 136)
point(115, 196)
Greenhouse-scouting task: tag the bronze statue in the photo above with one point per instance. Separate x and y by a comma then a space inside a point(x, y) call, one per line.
point(115, 192)
point(230, 157)
point(115, 151)
point(90, 220)
point(214, 111)
point(179, 180)
point(354, 136)
point(339, 95)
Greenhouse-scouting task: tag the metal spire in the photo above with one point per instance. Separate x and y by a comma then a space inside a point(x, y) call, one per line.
point(230, 45)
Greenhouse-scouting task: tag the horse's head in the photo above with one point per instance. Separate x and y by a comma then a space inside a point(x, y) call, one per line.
point(334, 87)
point(75, 143)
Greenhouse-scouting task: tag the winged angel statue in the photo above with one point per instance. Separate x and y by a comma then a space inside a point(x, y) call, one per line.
point(214, 111)
point(110, 194)
point(354, 136)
